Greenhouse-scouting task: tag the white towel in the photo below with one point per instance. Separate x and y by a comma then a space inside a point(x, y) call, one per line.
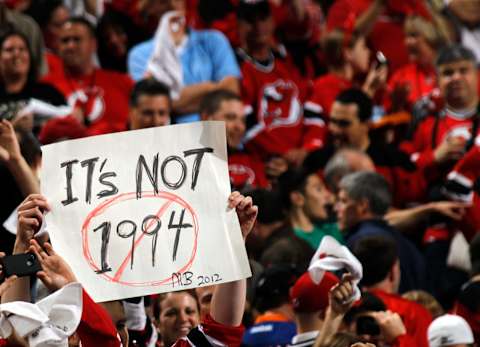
point(165, 64)
point(47, 323)
point(331, 256)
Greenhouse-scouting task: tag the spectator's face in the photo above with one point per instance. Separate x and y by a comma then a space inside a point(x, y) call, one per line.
point(316, 198)
point(77, 46)
point(359, 56)
point(256, 32)
point(233, 114)
point(14, 57)
point(458, 82)
point(348, 211)
point(54, 27)
point(178, 315)
point(419, 50)
point(345, 127)
point(151, 111)
point(116, 40)
point(204, 295)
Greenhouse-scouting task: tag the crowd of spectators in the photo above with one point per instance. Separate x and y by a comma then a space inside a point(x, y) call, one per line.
point(356, 120)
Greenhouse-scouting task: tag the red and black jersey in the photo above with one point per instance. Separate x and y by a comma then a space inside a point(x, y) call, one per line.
point(407, 182)
point(325, 90)
point(419, 82)
point(276, 93)
point(246, 170)
point(415, 317)
point(431, 132)
point(102, 96)
point(462, 185)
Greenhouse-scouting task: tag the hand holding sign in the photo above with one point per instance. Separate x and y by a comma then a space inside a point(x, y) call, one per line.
point(144, 211)
point(246, 211)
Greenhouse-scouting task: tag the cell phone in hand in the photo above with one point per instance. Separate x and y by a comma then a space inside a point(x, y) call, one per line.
point(20, 264)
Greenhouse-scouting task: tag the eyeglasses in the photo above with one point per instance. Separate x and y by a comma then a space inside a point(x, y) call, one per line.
point(341, 123)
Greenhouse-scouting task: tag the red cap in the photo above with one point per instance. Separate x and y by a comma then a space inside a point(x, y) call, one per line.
point(61, 129)
point(306, 296)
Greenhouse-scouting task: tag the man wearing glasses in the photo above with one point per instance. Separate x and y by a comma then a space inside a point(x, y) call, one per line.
point(348, 127)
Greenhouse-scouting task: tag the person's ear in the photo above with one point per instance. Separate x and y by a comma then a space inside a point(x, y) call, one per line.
point(394, 273)
point(363, 206)
point(297, 199)
point(347, 55)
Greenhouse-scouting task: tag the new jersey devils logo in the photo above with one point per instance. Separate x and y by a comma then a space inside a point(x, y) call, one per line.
point(279, 104)
point(241, 175)
point(90, 101)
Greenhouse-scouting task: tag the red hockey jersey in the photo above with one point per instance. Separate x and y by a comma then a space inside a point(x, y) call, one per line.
point(430, 134)
point(325, 90)
point(277, 122)
point(419, 82)
point(246, 170)
point(102, 97)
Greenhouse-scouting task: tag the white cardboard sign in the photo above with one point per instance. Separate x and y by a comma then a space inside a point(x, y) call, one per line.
point(145, 211)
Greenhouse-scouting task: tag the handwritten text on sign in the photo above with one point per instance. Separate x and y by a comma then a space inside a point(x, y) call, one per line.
point(144, 211)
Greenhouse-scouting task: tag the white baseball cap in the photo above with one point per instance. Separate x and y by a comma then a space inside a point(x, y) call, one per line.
point(449, 330)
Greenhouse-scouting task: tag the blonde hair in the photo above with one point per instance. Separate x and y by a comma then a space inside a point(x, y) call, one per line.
point(435, 31)
point(426, 300)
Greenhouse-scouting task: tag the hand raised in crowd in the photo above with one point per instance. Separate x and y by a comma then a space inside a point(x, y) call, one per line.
point(56, 273)
point(7, 283)
point(30, 217)
point(246, 211)
point(9, 147)
point(452, 148)
point(376, 79)
point(452, 209)
point(340, 296)
point(391, 325)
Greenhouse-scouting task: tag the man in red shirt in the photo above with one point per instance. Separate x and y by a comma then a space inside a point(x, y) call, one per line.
point(98, 98)
point(381, 277)
point(245, 168)
point(272, 86)
point(442, 138)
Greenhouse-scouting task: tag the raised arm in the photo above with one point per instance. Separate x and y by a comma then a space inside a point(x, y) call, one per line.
point(192, 95)
point(30, 218)
point(339, 303)
point(12, 157)
point(228, 302)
